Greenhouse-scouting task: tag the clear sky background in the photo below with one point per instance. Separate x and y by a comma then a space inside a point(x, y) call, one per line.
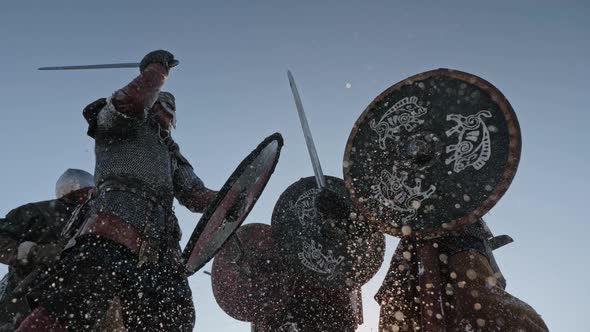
point(232, 91)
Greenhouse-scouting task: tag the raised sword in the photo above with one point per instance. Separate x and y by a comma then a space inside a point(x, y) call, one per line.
point(103, 66)
point(313, 155)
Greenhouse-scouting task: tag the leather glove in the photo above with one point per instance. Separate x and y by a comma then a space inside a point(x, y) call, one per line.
point(162, 57)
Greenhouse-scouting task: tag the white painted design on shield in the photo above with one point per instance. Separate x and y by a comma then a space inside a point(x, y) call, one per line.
point(474, 146)
point(314, 259)
point(312, 256)
point(404, 113)
point(304, 208)
point(393, 192)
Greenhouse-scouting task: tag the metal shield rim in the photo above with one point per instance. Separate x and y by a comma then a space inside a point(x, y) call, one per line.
point(515, 147)
point(200, 227)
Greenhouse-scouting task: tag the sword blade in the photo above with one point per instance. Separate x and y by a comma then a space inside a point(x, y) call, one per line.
point(313, 155)
point(103, 66)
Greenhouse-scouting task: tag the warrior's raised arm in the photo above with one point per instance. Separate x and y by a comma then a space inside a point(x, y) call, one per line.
point(140, 95)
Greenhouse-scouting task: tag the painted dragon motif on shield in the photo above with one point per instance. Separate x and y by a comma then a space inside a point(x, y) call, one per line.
point(474, 146)
point(314, 259)
point(393, 192)
point(405, 113)
point(304, 208)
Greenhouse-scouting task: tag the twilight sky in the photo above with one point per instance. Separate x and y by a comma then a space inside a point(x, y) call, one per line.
point(232, 91)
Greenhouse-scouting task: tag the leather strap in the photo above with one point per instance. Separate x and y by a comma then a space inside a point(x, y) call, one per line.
point(114, 229)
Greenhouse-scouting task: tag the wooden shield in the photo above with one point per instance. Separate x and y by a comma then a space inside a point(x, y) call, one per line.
point(323, 252)
point(247, 276)
point(233, 203)
point(433, 152)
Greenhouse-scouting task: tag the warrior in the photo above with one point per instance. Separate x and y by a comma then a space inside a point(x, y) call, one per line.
point(30, 239)
point(325, 249)
point(434, 164)
point(128, 247)
point(314, 304)
point(475, 297)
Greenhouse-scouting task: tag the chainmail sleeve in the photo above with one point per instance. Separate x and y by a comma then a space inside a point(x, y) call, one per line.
point(189, 189)
point(112, 122)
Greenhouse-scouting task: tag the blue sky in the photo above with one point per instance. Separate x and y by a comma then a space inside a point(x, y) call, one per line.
point(232, 91)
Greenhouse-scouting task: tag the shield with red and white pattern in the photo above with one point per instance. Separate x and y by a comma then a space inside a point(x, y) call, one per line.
point(233, 203)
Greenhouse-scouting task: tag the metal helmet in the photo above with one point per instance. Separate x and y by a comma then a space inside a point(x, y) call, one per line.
point(71, 180)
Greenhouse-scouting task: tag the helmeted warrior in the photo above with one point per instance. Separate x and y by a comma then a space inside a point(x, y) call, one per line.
point(475, 297)
point(128, 247)
point(30, 239)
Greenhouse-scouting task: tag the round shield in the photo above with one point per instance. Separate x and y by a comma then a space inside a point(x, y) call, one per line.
point(232, 204)
point(247, 275)
point(325, 253)
point(432, 153)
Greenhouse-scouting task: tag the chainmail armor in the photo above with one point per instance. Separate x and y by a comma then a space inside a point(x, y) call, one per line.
point(138, 173)
point(186, 182)
point(133, 209)
point(131, 148)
